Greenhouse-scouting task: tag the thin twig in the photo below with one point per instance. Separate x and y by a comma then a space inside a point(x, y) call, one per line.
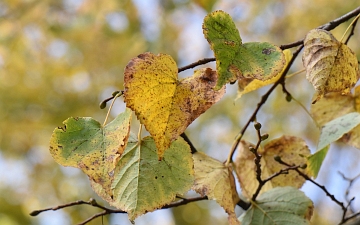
point(352, 31)
point(322, 187)
point(347, 192)
point(106, 211)
point(328, 26)
point(261, 103)
point(192, 147)
point(351, 25)
point(195, 64)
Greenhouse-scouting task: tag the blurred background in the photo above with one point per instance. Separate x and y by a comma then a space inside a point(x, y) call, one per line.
point(61, 58)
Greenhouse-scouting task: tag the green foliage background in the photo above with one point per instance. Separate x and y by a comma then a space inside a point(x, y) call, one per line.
point(61, 58)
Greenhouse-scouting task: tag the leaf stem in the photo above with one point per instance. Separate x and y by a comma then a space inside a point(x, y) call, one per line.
point(139, 134)
point(112, 103)
point(198, 63)
point(295, 73)
point(351, 24)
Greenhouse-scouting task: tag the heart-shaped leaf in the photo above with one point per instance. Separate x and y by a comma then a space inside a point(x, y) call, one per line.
point(163, 104)
point(84, 143)
point(235, 60)
point(330, 65)
point(142, 183)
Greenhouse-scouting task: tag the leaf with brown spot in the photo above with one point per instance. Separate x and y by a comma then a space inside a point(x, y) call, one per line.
point(142, 183)
point(291, 149)
point(247, 85)
point(216, 181)
point(163, 104)
point(330, 65)
point(84, 143)
point(235, 60)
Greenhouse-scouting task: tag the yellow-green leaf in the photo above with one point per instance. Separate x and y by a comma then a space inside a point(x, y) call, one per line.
point(315, 161)
point(143, 184)
point(247, 85)
point(290, 149)
point(163, 104)
point(215, 180)
point(330, 65)
point(84, 143)
point(235, 60)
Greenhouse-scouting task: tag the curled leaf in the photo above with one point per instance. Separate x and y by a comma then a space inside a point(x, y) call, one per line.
point(330, 65)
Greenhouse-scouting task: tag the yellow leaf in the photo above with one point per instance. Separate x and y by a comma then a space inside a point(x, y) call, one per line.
point(331, 66)
point(163, 104)
point(247, 85)
point(289, 148)
point(215, 180)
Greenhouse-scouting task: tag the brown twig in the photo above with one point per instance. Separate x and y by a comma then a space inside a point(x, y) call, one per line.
point(262, 102)
point(192, 147)
point(195, 64)
point(322, 187)
point(328, 26)
point(107, 211)
point(347, 192)
point(352, 31)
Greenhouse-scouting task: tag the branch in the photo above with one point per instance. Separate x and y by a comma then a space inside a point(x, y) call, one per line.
point(352, 31)
point(322, 187)
point(195, 64)
point(351, 182)
point(193, 149)
point(106, 211)
point(328, 26)
point(261, 103)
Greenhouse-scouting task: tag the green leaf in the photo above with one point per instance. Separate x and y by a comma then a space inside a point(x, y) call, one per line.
point(279, 206)
point(235, 60)
point(143, 183)
point(315, 161)
point(84, 143)
point(336, 128)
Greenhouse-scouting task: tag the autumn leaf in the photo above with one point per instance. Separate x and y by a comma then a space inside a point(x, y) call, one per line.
point(142, 183)
point(235, 60)
point(279, 206)
point(291, 149)
point(84, 143)
point(330, 65)
point(163, 104)
point(246, 85)
point(335, 129)
point(315, 161)
point(216, 181)
point(335, 105)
